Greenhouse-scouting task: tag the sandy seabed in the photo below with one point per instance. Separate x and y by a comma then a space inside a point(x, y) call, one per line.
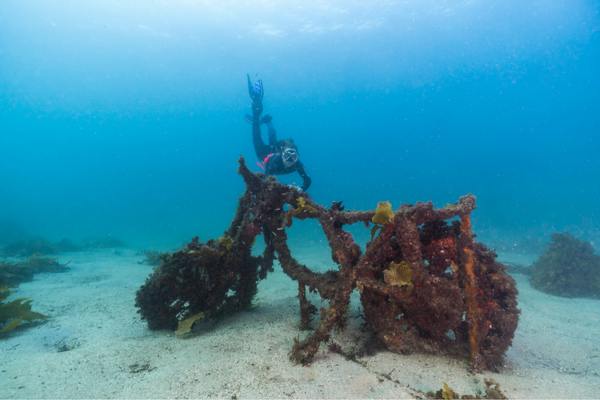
point(96, 346)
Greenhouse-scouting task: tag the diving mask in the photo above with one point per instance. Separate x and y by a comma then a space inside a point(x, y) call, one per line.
point(290, 155)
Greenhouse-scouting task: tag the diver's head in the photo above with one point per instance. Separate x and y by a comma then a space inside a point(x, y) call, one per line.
point(289, 152)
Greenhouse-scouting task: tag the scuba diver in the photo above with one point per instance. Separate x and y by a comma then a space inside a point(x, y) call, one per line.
point(278, 157)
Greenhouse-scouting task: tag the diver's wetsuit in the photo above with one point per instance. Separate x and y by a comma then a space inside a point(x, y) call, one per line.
point(269, 156)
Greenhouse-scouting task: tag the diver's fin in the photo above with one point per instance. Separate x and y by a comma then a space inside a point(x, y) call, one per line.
point(256, 91)
point(250, 87)
point(248, 118)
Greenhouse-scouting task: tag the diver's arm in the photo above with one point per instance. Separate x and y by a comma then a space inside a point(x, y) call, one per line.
point(305, 177)
point(256, 133)
point(269, 167)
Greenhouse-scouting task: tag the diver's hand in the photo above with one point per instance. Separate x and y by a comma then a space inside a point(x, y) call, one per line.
point(266, 119)
point(296, 187)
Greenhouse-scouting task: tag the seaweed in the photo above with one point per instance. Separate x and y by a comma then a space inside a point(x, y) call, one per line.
point(186, 325)
point(40, 264)
point(383, 213)
point(13, 273)
point(41, 246)
point(153, 258)
point(27, 248)
point(137, 368)
point(568, 268)
point(15, 311)
point(335, 348)
point(226, 242)
point(399, 275)
point(515, 268)
point(301, 207)
point(67, 245)
point(448, 393)
point(492, 391)
point(215, 278)
point(252, 305)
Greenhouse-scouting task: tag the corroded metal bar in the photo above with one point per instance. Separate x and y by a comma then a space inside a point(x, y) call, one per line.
point(470, 284)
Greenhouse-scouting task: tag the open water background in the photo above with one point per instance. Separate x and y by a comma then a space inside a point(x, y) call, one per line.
point(126, 117)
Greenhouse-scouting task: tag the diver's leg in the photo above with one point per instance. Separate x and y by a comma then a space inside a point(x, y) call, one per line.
point(256, 94)
point(272, 134)
point(261, 149)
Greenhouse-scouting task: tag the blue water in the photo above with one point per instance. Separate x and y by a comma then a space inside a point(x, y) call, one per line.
point(126, 118)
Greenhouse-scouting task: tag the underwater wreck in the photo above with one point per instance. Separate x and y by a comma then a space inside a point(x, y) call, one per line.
point(425, 284)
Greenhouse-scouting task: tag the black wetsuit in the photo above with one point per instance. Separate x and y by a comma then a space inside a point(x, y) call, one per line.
point(274, 161)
